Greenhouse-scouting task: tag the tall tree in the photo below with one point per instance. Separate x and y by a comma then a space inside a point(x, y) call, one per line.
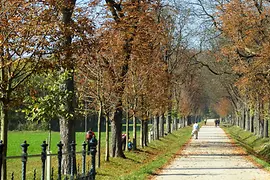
point(130, 23)
point(244, 24)
point(67, 131)
point(23, 42)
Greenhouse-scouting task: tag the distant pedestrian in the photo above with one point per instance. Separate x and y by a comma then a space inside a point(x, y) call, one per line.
point(89, 135)
point(195, 130)
point(205, 121)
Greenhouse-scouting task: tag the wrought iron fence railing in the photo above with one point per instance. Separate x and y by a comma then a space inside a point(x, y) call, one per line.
point(87, 173)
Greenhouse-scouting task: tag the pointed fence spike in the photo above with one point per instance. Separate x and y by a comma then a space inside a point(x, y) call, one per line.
point(52, 174)
point(12, 176)
point(35, 174)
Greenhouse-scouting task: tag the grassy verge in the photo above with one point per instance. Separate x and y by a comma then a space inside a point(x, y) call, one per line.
point(258, 148)
point(138, 165)
point(145, 162)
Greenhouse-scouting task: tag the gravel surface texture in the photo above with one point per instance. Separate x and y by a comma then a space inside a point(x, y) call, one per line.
point(212, 157)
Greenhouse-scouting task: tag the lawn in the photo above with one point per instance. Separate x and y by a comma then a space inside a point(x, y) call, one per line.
point(35, 139)
point(138, 164)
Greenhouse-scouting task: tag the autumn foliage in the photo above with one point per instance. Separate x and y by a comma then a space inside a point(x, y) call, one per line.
point(245, 24)
point(223, 107)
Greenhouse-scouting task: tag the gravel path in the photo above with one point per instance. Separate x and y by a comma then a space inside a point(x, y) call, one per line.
point(212, 156)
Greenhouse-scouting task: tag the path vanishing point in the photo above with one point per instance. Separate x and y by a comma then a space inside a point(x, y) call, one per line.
point(212, 157)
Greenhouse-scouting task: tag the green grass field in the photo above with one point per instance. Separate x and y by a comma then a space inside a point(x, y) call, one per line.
point(35, 139)
point(138, 164)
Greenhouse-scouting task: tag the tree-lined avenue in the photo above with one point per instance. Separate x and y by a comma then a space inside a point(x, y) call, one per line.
point(212, 156)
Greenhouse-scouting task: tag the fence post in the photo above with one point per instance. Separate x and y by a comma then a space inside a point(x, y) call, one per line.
point(83, 158)
point(72, 159)
point(35, 174)
point(43, 159)
point(48, 165)
point(93, 150)
point(12, 176)
point(60, 147)
point(24, 146)
point(52, 174)
point(1, 157)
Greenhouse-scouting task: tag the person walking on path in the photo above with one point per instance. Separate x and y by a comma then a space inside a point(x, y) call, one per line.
point(195, 130)
point(213, 156)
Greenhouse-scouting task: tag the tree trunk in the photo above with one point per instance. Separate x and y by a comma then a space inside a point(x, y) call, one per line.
point(161, 125)
point(256, 124)
point(67, 136)
point(261, 120)
point(168, 122)
point(107, 139)
point(4, 134)
point(184, 121)
point(252, 123)
point(100, 116)
point(157, 127)
point(134, 140)
point(240, 119)
point(116, 131)
point(142, 134)
point(233, 119)
point(154, 121)
point(265, 134)
point(256, 119)
point(175, 123)
point(67, 126)
point(189, 121)
point(237, 117)
point(127, 130)
point(248, 119)
point(264, 118)
point(145, 132)
point(67, 131)
point(267, 121)
point(261, 128)
point(243, 115)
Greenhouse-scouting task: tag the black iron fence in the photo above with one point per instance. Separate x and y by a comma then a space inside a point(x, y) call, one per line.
point(87, 173)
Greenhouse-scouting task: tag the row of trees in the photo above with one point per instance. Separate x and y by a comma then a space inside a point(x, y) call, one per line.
point(240, 45)
point(138, 69)
point(127, 57)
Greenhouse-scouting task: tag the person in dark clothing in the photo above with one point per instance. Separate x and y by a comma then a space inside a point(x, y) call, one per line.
point(218, 122)
point(130, 145)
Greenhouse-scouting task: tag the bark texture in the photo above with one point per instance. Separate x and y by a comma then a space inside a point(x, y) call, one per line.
point(116, 132)
point(67, 131)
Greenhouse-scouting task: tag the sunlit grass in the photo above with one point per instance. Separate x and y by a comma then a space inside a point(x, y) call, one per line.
point(259, 148)
point(35, 139)
point(147, 161)
point(138, 164)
